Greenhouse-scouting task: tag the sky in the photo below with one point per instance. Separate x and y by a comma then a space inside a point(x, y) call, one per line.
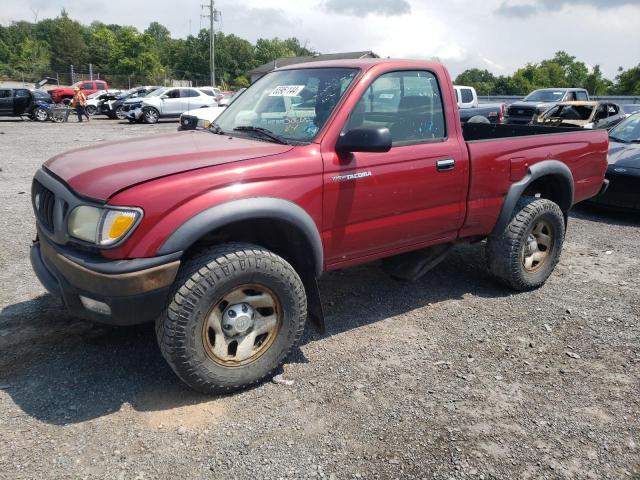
point(499, 35)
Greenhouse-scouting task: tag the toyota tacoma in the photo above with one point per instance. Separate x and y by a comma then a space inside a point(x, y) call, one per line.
point(220, 235)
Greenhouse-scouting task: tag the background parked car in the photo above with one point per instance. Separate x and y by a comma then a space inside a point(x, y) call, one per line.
point(539, 101)
point(65, 94)
point(93, 100)
point(167, 103)
point(18, 102)
point(213, 92)
point(467, 100)
point(111, 105)
point(199, 118)
point(623, 172)
point(228, 97)
point(582, 114)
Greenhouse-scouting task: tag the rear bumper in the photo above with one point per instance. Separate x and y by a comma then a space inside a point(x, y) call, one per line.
point(130, 296)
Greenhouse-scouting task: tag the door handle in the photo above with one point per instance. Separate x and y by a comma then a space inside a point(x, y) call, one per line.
point(446, 165)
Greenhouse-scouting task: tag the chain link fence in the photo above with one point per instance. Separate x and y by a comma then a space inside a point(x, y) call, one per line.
point(119, 81)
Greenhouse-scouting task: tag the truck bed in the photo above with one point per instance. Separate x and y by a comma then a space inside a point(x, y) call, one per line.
point(501, 155)
point(473, 132)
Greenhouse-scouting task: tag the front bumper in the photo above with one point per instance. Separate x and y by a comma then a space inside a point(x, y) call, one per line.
point(133, 295)
point(134, 114)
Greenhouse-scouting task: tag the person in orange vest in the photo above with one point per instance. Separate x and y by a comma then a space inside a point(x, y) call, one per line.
point(79, 102)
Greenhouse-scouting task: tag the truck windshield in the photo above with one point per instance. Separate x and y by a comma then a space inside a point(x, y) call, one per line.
point(545, 96)
point(292, 105)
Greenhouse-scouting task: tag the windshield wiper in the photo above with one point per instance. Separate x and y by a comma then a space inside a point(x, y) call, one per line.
point(263, 131)
point(215, 128)
point(616, 139)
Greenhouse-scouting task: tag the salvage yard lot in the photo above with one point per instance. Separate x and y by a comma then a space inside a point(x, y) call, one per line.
point(450, 377)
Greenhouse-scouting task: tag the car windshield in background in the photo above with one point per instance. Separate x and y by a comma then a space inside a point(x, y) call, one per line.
point(627, 131)
point(545, 96)
point(156, 93)
point(570, 112)
point(631, 108)
point(290, 104)
point(40, 94)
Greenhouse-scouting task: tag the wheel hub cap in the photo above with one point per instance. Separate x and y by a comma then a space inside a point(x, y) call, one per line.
point(237, 319)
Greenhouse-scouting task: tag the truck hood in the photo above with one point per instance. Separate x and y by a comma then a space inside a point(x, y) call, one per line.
point(100, 171)
point(625, 155)
point(541, 107)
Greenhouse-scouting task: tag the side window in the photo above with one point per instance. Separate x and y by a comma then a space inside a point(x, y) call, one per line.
point(5, 93)
point(571, 97)
point(467, 95)
point(408, 103)
point(22, 93)
point(601, 112)
point(87, 86)
point(211, 93)
point(175, 93)
point(101, 86)
point(613, 110)
point(457, 95)
point(188, 92)
point(581, 96)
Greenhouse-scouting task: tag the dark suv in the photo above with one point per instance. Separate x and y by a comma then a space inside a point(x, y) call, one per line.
point(24, 102)
point(539, 101)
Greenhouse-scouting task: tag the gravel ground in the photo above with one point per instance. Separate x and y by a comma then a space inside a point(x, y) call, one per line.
point(450, 377)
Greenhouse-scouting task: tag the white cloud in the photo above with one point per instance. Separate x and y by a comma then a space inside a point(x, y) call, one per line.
point(461, 33)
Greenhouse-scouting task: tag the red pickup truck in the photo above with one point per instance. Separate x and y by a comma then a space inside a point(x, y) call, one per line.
point(65, 94)
point(219, 236)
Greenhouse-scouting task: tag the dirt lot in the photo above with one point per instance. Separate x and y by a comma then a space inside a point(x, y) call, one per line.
point(450, 377)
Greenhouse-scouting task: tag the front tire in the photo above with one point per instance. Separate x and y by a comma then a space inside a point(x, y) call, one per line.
point(119, 114)
point(236, 313)
point(524, 255)
point(91, 110)
point(151, 115)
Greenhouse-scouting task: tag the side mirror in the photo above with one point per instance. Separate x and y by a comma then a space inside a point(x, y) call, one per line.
point(164, 97)
point(364, 140)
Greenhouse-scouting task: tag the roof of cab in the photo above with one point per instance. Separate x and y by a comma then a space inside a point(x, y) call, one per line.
point(365, 64)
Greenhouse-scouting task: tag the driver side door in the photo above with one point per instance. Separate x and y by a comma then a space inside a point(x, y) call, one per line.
point(408, 197)
point(6, 101)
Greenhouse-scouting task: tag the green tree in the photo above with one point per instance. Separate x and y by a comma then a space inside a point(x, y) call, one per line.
point(268, 50)
point(627, 82)
point(67, 44)
point(32, 56)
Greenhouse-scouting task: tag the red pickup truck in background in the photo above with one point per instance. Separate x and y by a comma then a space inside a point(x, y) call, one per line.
point(219, 236)
point(65, 94)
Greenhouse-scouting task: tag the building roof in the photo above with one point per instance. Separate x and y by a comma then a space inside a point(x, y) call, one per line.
point(285, 61)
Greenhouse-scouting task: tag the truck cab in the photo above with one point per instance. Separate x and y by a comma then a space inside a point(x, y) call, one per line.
point(466, 96)
point(539, 101)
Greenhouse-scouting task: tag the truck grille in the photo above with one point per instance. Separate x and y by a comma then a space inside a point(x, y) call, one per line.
point(43, 203)
point(521, 111)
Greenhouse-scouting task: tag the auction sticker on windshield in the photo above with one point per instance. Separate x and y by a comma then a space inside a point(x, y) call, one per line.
point(286, 91)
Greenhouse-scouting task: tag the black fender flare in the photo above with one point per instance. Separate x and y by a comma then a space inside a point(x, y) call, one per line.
point(246, 209)
point(536, 171)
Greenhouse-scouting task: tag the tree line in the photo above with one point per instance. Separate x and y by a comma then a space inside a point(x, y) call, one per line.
point(563, 70)
point(52, 45)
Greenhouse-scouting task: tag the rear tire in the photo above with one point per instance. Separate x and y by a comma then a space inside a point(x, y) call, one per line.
point(40, 114)
point(215, 287)
point(524, 255)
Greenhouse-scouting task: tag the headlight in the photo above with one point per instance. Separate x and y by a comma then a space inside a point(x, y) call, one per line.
point(102, 226)
point(204, 123)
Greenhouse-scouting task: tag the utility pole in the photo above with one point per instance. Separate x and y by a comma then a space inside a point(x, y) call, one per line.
point(213, 16)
